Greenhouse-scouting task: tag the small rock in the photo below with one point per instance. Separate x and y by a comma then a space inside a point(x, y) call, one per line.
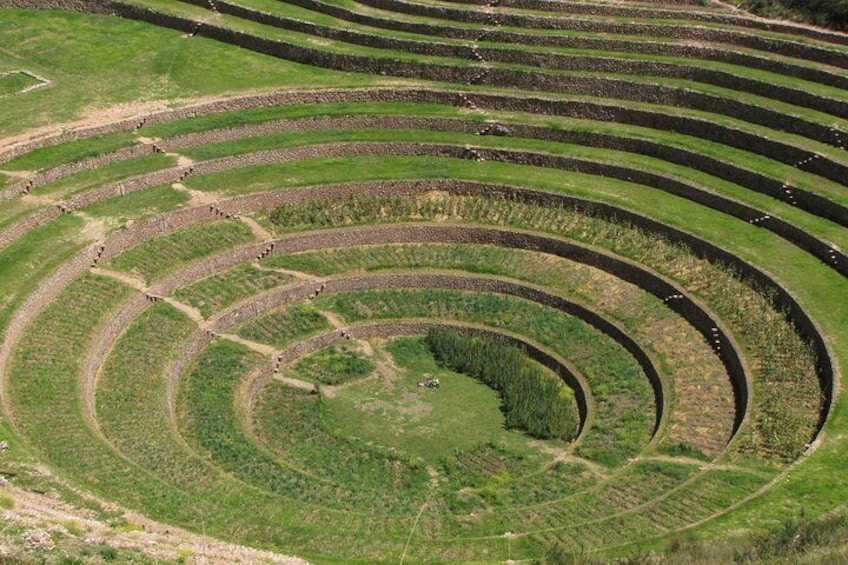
point(38, 540)
point(498, 130)
point(4, 444)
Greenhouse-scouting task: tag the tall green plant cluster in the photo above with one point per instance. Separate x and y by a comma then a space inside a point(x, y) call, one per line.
point(830, 13)
point(532, 400)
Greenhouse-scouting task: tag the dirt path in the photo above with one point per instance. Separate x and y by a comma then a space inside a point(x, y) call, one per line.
point(38, 199)
point(296, 274)
point(97, 116)
point(128, 280)
point(196, 197)
point(385, 369)
point(295, 383)
point(76, 530)
point(261, 233)
point(94, 228)
point(703, 465)
point(598, 470)
point(334, 319)
point(190, 311)
point(254, 345)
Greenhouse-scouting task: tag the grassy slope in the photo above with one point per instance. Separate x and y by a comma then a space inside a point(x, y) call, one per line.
point(80, 54)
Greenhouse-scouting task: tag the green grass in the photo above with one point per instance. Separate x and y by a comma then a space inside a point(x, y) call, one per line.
point(214, 293)
point(15, 211)
point(283, 326)
point(267, 31)
point(113, 172)
point(210, 423)
point(295, 111)
point(332, 366)
point(480, 491)
point(784, 425)
point(137, 206)
point(639, 198)
point(173, 484)
point(686, 362)
point(391, 411)
point(132, 372)
point(70, 152)
point(704, 180)
point(33, 258)
point(80, 52)
point(722, 152)
point(15, 82)
point(155, 258)
point(44, 372)
point(534, 399)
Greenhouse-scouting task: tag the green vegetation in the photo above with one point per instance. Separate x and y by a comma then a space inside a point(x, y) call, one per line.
point(797, 539)
point(210, 423)
point(70, 152)
point(687, 361)
point(281, 327)
point(831, 13)
point(533, 400)
point(100, 176)
point(32, 258)
point(390, 410)
point(44, 374)
point(79, 53)
point(332, 366)
point(15, 82)
point(153, 259)
point(785, 422)
point(138, 205)
point(214, 293)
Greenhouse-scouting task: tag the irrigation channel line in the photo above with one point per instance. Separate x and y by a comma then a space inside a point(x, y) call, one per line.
point(415, 523)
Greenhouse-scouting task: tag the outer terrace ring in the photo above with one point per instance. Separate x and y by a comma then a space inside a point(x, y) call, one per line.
point(758, 182)
point(777, 150)
point(548, 61)
point(485, 75)
point(822, 250)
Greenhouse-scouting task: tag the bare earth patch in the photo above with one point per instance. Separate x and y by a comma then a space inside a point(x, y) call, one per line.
point(76, 529)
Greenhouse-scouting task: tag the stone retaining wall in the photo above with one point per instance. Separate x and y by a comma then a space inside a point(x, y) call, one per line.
point(706, 324)
point(625, 11)
point(97, 354)
point(598, 43)
point(805, 200)
point(542, 60)
point(66, 170)
point(692, 313)
point(818, 248)
point(588, 110)
point(490, 76)
point(677, 300)
point(689, 32)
